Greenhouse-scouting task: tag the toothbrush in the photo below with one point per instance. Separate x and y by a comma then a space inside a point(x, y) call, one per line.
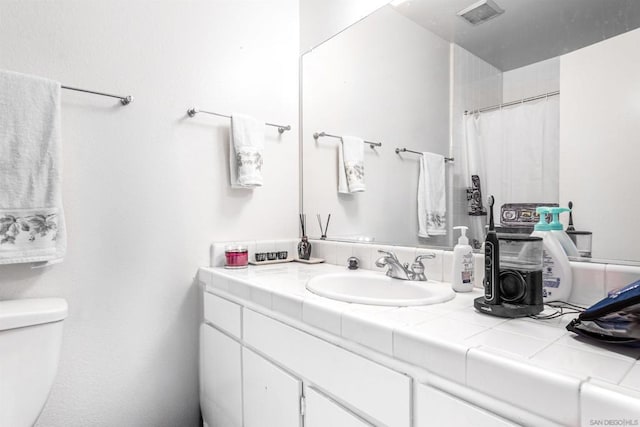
point(571, 227)
point(491, 261)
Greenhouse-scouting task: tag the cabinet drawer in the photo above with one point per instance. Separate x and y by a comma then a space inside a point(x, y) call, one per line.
point(379, 392)
point(437, 408)
point(223, 314)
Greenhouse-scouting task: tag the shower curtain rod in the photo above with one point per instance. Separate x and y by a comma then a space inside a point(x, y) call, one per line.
point(124, 100)
point(508, 104)
point(406, 150)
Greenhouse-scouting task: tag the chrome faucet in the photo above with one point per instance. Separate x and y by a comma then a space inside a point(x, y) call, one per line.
point(397, 270)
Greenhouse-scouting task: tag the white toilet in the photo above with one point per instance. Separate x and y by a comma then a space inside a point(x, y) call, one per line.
point(30, 338)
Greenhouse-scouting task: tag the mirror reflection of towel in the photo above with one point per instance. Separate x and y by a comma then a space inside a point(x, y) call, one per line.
point(246, 146)
point(431, 196)
point(351, 165)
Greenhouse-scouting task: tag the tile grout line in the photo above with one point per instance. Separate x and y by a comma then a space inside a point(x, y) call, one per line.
point(545, 347)
point(619, 383)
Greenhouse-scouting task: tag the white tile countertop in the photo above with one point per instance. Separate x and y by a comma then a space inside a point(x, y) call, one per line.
point(489, 354)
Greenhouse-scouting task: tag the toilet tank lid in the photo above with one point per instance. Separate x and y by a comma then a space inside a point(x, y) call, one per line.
point(19, 313)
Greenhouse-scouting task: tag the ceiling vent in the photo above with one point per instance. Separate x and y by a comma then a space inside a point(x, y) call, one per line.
point(480, 12)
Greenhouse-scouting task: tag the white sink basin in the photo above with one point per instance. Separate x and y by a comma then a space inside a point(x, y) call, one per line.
point(378, 289)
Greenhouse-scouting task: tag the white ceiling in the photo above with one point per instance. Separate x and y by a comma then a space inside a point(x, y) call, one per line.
point(530, 30)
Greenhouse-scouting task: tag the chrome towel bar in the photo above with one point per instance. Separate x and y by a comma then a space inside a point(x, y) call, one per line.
point(193, 111)
point(405, 150)
point(320, 134)
point(124, 100)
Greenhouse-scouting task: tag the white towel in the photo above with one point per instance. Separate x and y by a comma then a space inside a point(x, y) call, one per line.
point(32, 227)
point(431, 196)
point(246, 146)
point(351, 165)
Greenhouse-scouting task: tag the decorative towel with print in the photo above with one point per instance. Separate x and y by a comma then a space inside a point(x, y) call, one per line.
point(351, 165)
point(431, 196)
point(246, 147)
point(32, 225)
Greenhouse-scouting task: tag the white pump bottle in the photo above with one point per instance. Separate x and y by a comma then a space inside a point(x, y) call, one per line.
point(556, 228)
point(557, 276)
point(462, 274)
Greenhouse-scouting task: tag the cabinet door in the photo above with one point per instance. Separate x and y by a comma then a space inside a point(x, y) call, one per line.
point(220, 378)
point(381, 393)
point(321, 411)
point(437, 408)
point(271, 396)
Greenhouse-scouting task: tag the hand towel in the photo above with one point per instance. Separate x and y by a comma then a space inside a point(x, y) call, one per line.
point(351, 165)
point(431, 196)
point(246, 146)
point(32, 227)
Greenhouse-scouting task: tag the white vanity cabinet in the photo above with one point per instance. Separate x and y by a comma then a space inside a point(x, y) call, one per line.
point(267, 361)
point(378, 393)
point(254, 369)
point(258, 371)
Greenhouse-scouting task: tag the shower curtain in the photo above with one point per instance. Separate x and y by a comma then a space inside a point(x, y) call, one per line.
point(514, 151)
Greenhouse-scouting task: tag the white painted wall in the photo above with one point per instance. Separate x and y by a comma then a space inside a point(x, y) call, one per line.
point(321, 19)
point(531, 80)
point(599, 150)
point(361, 83)
point(146, 189)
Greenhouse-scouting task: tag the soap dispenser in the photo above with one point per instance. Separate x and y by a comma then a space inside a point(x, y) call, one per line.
point(462, 275)
point(556, 228)
point(556, 270)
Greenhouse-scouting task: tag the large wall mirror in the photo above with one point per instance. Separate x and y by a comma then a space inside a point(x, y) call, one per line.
point(539, 99)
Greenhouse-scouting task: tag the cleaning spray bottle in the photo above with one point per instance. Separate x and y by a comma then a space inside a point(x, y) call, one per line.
point(556, 270)
point(556, 228)
point(462, 275)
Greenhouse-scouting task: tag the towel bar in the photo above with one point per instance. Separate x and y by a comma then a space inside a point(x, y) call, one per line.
point(319, 134)
point(124, 100)
point(193, 111)
point(405, 150)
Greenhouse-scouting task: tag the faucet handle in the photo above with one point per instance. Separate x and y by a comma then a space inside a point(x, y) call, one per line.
point(388, 253)
point(429, 255)
point(418, 267)
point(381, 262)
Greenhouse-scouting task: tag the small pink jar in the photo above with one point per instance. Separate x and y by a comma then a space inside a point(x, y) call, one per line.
point(236, 256)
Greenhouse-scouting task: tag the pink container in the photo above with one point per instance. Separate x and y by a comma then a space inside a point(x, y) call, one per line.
point(236, 256)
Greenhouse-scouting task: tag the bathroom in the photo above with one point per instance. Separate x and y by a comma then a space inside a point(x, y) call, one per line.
point(146, 187)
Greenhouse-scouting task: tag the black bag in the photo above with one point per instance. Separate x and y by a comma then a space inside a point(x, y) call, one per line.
point(615, 319)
